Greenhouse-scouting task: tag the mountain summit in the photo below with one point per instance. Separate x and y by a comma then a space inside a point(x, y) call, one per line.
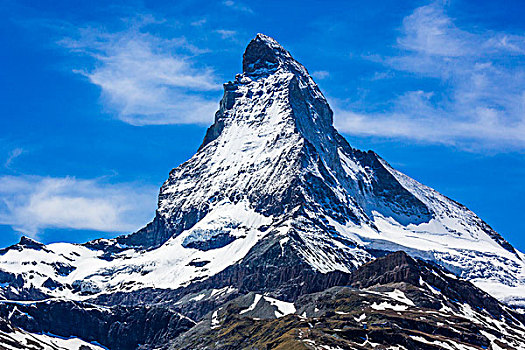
point(273, 168)
point(264, 53)
point(274, 201)
point(273, 146)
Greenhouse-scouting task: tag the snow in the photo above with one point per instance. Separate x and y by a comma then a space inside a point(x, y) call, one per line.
point(47, 342)
point(429, 287)
point(385, 305)
point(215, 319)
point(472, 255)
point(222, 291)
point(400, 296)
point(283, 308)
point(444, 345)
point(513, 295)
point(164, 267)
point(360, 318)
point(198, 297)
point(256, 299)
point(352, 168)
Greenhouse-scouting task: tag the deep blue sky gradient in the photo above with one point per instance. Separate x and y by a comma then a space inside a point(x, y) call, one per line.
point(65, 128)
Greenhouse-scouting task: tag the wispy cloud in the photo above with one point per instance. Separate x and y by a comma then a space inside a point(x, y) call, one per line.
point(236, 5)
point(321, 74)
point(226, 34)
point(199, 22)
point(144, 78)
point(483, 105)
point(31, 204)
point(15, 153)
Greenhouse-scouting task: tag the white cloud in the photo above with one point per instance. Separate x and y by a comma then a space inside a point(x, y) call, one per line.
point(236, 5)
point(321, 74)
point(15, 153)
point(146, 79)
point(226, 34)
point(481, 99)
point(199, 22)
point(31, 204)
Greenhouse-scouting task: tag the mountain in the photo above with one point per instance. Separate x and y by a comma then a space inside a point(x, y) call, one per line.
point(275, 206)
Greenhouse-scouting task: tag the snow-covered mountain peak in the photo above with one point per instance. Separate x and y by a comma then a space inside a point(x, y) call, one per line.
point(273, 88)
point(273, 150)
point(264, 54)
point(273, 173)
point(24, 243)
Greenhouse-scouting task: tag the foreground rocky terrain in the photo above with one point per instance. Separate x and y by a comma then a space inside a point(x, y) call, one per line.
point(276, 234)
point(394, 302)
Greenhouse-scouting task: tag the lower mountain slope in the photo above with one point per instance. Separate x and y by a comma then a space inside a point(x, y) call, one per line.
point(393, 302)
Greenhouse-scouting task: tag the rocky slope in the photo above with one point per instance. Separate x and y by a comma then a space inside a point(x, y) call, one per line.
point(392, 301)
point(12, 338)
point(274, 202)
point(395, 302)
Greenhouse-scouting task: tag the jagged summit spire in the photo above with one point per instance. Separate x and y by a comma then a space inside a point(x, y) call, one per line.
point(264, 52)
point(266, 62)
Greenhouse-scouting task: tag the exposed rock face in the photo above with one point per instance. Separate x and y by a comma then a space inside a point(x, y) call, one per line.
point(401, 268)
point(17, 339)
point(115, 328)
point(25, 243)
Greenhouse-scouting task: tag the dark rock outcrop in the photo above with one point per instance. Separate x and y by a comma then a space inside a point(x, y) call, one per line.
point(116, 327)
point(24, 243)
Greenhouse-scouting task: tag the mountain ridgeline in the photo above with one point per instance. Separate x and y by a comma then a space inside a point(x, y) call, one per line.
point(276, 234)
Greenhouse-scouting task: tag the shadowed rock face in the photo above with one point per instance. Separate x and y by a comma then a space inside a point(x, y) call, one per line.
point(115, 328)
point(16, 339)
point(24, 243)
point(393, 268)
point(263, 53)
point(400, 267)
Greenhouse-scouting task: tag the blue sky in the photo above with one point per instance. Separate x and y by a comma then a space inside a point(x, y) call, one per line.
point(100, 100)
